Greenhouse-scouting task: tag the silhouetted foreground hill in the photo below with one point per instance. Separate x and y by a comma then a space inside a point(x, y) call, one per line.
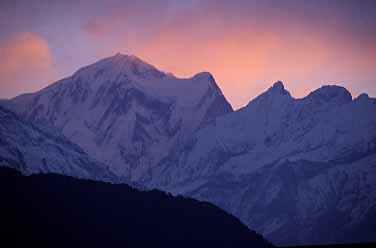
point(59, 211)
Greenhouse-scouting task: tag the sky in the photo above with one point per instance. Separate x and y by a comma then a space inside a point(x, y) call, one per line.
point(247, 45)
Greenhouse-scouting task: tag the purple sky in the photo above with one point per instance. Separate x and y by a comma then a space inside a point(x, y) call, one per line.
point(247, 45)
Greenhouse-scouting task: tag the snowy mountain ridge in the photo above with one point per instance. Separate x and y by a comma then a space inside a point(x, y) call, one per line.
point(315, 127)
point(284, 166)
point(288, 167)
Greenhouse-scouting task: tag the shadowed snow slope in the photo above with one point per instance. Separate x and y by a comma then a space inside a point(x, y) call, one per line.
point(31, 148)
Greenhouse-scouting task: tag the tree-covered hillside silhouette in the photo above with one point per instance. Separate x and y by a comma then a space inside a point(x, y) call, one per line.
point(58, 211)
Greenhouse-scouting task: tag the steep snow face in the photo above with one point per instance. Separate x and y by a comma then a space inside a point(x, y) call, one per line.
point(32, 148)
point(125, 112)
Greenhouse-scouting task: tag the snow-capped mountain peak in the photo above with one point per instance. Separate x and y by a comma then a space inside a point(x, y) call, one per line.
point(121, 68)
point(331, 94)
point(362, 97)
point(273, 98)
point(136, 66)
point(122, 109)
point(278, 85)
point(207, 78)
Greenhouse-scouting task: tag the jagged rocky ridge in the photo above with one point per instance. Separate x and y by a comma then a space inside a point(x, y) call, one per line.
point(287, 167)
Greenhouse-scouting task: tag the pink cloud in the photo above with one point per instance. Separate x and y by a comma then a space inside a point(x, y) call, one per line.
point(25, 64)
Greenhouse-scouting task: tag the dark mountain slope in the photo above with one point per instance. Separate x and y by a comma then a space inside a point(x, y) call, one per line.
point(52, 210)
point(351, 245)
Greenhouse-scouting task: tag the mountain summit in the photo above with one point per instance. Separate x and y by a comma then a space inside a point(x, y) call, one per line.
point(279, 87)
point(122, 65)
point(123, 111)
point(331, 94)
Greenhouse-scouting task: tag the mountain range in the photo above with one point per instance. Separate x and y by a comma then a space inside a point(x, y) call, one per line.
point(299, 171)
